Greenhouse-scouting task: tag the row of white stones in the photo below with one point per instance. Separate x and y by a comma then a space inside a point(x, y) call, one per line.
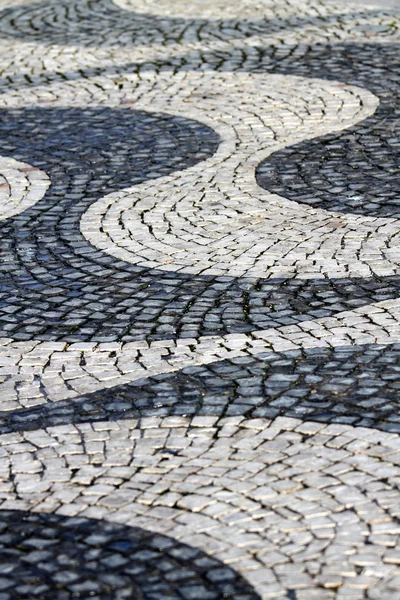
point(33, 372)
point(213, 218)
point(21, 186)
point(288, 504)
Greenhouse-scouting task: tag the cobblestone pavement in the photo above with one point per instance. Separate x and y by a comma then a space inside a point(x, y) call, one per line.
point(200, 300)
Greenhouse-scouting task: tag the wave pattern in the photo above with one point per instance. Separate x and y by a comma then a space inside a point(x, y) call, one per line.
point(77, 557)
point(199, 300)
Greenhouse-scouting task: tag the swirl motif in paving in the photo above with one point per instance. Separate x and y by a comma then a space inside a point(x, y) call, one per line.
point(46, 554)
point(200, 312)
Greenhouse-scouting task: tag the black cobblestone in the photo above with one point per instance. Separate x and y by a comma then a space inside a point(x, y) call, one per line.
point(355, 385)
point(49, 556)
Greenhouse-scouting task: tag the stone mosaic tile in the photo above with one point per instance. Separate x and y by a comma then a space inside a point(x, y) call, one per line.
point(46, 554)
point(199, 302)
point(295, 508)
point(354, 385)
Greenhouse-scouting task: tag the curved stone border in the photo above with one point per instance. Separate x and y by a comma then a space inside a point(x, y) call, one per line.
point(213, 219)
point(49, 371)
point(21, 186)
point(289, 505)
point(304, 510)
point(49, 555)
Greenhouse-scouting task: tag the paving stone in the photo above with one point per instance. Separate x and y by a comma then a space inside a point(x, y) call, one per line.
point(199, 306)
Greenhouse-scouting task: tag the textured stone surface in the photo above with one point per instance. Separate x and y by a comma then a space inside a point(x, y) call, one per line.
point(199, 300)
point(293, 506)
point(46, 554)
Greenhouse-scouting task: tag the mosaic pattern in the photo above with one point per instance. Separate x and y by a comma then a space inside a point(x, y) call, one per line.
point(356, 172)
point(50, 275)
point(199, 300)
point(357, 385)
point(297, 508)
point(44, 554)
